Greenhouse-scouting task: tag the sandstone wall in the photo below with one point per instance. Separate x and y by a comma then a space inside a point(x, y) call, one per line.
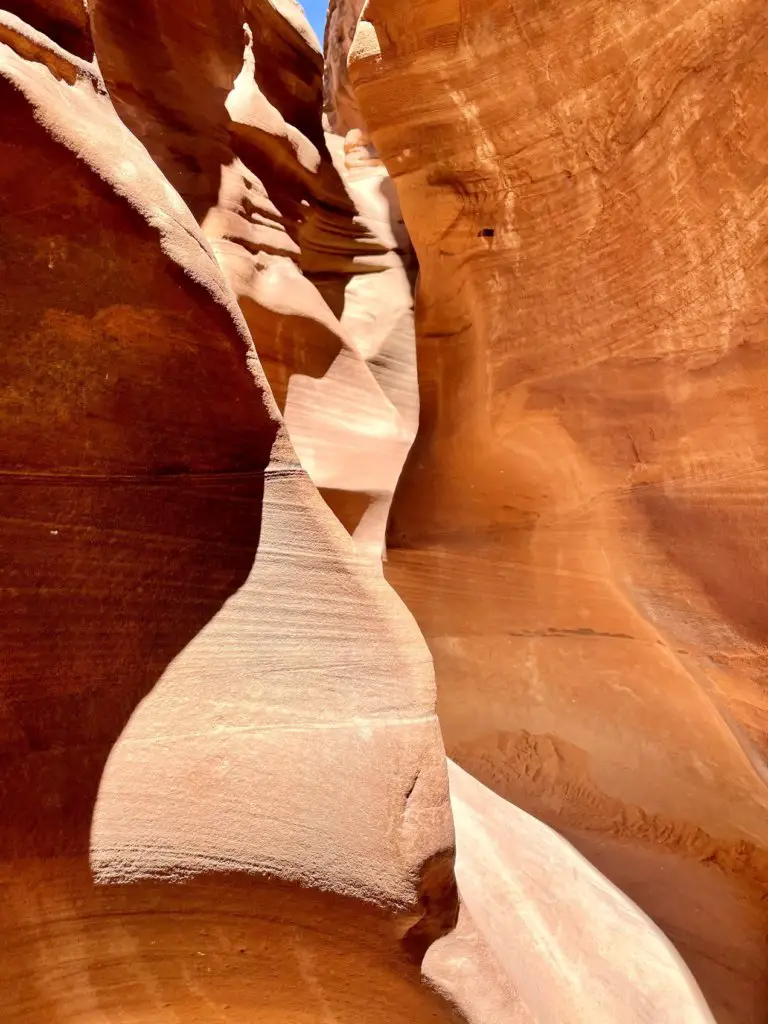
point(224, 793)
point(228, 101)
point(579, 529)
point(223, 789)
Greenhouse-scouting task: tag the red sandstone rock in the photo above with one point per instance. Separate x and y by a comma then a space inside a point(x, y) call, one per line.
point(230, 109)
point(579, 528)
point(573, 947)
point(223, 788)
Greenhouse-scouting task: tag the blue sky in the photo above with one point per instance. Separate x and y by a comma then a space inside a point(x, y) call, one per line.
point(316, 11)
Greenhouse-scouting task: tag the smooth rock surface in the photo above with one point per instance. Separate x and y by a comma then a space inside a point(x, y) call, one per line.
point(579, 527)
point(228, 100)
point(217, 725)
point(224, 795)
point(572, 945)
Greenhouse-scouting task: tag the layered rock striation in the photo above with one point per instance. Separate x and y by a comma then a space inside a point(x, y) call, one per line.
point(223, 788)
point(224, 793)
point(578, 528)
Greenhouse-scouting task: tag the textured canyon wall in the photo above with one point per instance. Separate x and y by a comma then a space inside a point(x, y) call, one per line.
point(579, 529)
point(228, 101)
point(536, 917)
point(223, 790)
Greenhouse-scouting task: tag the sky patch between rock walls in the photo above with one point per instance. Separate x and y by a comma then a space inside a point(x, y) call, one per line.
point(317, 12)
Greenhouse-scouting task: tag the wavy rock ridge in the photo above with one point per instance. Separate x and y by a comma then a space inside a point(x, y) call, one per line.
point(224, 792)
point(220, 753)
point(578, 529)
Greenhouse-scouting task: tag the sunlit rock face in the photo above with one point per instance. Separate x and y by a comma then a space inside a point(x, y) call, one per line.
point(579, 529)
point(223, 791)
point(228, 100)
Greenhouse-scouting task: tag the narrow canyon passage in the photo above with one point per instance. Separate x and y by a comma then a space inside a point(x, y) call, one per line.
point(578, 526)
point(259, 487)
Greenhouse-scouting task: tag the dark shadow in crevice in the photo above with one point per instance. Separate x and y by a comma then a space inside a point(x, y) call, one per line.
point(135, 444)
point(405, 249)
point(105, 582)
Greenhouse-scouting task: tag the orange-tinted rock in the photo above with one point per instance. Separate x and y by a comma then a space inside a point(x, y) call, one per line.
point(224, 793)
point(228, 100)
point(341, 104)
point(579, 527)
point(572, 945)
point(223, 790)
point(64, 22)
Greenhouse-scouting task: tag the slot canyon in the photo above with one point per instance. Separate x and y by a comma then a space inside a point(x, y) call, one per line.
point(383, 604)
